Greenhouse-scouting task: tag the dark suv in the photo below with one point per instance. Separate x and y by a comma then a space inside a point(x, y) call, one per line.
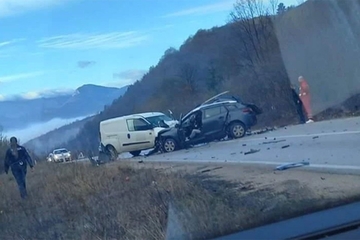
point(219, 119)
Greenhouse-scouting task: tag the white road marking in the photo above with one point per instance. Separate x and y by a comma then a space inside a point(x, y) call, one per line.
point(329, 166)
point(302, 135)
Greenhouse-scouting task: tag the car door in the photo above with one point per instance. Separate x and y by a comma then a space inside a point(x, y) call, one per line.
point(140, 135)
point(214, 119)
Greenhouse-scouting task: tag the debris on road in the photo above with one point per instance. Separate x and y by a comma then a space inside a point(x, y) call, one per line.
point(292, 165)
point(286, 146)
point(209, 170)
point(252, 151)
point(140, 161)
point(275, 141)
point(244, 145)
point(261, 131)
point(315, 137)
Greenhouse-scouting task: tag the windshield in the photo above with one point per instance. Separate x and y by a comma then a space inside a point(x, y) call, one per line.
point(91, 82)
point(60, 151)
point(156, 119)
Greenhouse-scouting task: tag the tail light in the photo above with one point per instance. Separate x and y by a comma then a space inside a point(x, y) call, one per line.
point(247, 110)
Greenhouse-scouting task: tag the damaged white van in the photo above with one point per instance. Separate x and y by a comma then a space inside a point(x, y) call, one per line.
point(132, 133)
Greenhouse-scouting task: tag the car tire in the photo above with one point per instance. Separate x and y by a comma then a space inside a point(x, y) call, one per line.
point(169, 145)
point(237, 130)
point(113, 153)
point(135, 153)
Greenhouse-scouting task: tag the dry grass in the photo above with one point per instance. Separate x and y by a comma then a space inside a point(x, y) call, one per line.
point(78, 201)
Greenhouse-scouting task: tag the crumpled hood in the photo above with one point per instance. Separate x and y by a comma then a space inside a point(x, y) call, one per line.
point(157, 130)
point(172, 123)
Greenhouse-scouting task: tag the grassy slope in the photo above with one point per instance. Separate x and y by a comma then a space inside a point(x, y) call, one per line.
point(77, 201)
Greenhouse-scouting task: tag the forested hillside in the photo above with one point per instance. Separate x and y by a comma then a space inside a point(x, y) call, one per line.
point(246, 56)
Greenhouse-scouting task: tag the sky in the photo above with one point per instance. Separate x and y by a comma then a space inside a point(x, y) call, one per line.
point(55, 46)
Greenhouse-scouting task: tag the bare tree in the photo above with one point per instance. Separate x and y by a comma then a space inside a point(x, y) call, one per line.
point(254, 21)
point(188, 74)
point(274, 6)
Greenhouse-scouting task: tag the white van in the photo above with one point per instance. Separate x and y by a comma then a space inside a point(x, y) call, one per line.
point(132, 133)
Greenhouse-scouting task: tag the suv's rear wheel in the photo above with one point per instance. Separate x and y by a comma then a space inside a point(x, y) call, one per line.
point(237, 130)
point(169, 145)
point(113, 153)
point(135, 153)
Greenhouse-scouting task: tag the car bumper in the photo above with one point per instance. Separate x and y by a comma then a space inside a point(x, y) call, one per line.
point(251, 120)
point(64, 159)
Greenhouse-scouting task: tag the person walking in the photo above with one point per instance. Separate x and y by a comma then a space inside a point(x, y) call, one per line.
point(305, 98)
point(17, 158)
point(298, 104)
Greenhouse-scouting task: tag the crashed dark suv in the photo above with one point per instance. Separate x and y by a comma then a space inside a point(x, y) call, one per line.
point(220, 118)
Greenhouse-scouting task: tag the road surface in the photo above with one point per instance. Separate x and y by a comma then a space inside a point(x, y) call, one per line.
point(329, 144)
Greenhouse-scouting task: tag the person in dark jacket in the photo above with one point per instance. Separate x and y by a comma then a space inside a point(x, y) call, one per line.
point(298, 104)
point(17, 158)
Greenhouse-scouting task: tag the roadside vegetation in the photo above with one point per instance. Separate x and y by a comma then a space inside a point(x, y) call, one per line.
point(79, 201)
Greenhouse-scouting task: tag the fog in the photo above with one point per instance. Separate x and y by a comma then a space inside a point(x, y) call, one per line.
point(38, 129)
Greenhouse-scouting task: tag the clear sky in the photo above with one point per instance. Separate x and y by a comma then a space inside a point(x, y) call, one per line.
point(49, 46)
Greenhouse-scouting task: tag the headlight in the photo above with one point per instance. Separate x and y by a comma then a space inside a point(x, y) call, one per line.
point(55, 156)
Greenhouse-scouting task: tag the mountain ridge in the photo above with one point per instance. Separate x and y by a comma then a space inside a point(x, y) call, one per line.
point(30, 111)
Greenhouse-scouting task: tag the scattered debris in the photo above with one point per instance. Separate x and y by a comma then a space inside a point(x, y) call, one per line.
point(322, 178)
point(252, 151)
point(315, 137)
point(233, 153)
point(275, 141)
point(292, 165)
point(209, 170)
point(244, 145)
point(140, 161)
point(268, 148)
point(286, 146)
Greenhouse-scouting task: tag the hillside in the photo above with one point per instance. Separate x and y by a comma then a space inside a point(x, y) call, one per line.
point(255, 58)
point(86, 100)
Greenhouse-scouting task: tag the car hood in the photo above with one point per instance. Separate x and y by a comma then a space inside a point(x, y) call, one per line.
point(171, 123)
point(157, 130)
point(60, 154)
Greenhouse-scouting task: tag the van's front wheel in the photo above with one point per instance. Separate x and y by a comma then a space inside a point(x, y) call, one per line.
point(113, 153)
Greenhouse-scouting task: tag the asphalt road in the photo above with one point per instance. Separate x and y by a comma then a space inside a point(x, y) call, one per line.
point(331, 144)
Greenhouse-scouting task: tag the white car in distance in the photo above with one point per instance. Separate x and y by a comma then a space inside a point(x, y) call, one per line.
point(60, 155)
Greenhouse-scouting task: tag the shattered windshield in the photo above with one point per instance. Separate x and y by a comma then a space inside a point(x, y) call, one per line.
point(78, 160)
point(156, 119)
point(60, 151)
